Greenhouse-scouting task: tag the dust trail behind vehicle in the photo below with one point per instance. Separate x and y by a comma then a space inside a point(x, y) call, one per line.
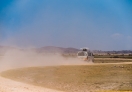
point(16, 58)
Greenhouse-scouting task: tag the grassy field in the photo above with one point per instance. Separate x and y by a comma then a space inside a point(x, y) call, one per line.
point(114, 56)
point(102, 56)
point(80, 78)
point(111, 60)
point(106, 58)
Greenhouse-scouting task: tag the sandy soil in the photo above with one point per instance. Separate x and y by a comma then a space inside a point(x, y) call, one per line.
point(7, 85)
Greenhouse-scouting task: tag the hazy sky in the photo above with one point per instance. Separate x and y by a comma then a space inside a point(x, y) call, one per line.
point(96, 24)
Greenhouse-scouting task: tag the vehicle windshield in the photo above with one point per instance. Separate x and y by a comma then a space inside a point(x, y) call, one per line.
point(81, 53)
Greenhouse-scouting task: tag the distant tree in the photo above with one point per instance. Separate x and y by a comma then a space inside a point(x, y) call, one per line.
point(122, 54)
point(108, 54)
point(115, 57)
point(130, 54)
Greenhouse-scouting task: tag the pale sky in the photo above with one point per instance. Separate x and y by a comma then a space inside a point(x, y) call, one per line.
point(96, 24)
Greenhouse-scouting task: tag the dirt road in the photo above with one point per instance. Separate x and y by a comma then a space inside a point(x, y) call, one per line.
point(7, 85)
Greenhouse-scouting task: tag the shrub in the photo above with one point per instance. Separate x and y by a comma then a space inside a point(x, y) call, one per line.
point(115, 57)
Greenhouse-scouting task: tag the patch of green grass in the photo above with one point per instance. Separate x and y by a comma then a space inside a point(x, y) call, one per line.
point(76, 78)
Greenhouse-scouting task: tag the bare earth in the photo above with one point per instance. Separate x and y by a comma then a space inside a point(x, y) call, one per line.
point(7, 85)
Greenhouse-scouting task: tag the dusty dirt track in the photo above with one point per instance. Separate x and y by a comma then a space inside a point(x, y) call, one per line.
point(16, 59)
point(7, 85)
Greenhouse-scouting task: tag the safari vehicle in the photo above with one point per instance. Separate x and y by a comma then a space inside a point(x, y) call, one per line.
point(86, 55)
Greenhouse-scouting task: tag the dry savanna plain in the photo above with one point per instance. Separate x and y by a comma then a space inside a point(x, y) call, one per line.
point(104, 75)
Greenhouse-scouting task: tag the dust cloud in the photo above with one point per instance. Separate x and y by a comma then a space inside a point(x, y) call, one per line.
point(16, 58)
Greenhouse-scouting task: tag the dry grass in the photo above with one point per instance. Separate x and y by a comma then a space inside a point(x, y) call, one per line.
point(81, 78)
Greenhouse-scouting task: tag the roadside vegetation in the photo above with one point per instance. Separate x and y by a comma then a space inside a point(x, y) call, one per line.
point(111, 58)
point(123, 56)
